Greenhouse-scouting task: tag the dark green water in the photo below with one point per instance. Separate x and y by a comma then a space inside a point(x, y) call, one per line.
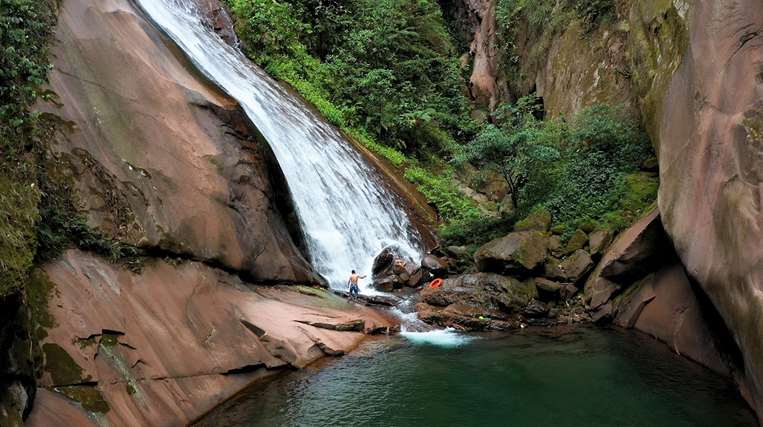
point(586, 377)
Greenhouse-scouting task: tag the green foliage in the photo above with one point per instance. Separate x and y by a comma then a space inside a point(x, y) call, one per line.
point(271, 27)
point(442, 192)
point(381, 70)
point(522, 149)
point(25, 28)
point(604, 146)
point(582, 172)
point(18, 216)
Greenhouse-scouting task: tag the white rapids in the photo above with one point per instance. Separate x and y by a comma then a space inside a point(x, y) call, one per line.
point(345, 211)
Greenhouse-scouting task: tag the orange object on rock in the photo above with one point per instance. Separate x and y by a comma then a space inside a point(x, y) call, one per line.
point(436, 283)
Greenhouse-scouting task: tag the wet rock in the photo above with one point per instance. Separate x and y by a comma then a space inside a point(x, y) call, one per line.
point(536, 309)
point(189, 336)
point(571, 269)
point(391, 270)
point(217, 18)
point(417, 278)
point(436, 265)
point(469, 300)
point(380, 300)
point(517, 253)
point(211, 190)
point(384, 260)
point(547, 290)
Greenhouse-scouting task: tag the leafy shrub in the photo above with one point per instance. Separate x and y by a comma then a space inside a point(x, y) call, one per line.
point(25, 29)
point(581, 171)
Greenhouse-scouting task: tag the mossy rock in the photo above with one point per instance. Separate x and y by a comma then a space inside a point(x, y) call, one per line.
point(516, 253)
point(578, 240)
point(88, 396)
point(62, 368)
point(538, 220)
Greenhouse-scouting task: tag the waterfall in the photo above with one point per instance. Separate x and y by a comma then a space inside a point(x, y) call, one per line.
point(347, 215)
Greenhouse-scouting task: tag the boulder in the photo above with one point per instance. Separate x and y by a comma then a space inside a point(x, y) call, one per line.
point(391, 271)
point(476, 295)
point(577, 241)
point(536, 309)
point(548, 290)
point(572, 269)
point(634, 253)
point(599, 292)
point(517, 253)
point(384, 260)
point(456, 251)
point(434, 264)
point(538, 220)
point(417, 278)
point(598, 241)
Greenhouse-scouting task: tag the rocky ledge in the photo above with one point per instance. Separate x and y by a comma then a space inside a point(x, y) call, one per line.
point(165, 346)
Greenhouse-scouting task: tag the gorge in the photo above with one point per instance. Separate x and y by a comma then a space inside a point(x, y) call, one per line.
point(201, 177)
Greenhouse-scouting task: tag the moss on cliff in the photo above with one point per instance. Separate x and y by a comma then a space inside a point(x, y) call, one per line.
point(88, 396)
point(62, 368)
point(657, 40)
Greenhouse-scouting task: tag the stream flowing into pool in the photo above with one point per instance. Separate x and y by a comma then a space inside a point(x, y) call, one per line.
point(534, 378)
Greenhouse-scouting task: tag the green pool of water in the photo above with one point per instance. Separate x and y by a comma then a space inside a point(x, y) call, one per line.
point(584, 377)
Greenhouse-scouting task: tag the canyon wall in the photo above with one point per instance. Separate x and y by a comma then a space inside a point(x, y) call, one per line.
point(711, 168)
point(693, 72)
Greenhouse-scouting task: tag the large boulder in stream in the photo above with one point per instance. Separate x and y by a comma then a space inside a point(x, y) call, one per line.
point(479, 301)
point(393, 271)
point(517, 253)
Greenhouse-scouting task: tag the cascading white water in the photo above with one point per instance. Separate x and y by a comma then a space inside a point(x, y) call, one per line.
point(347, 215)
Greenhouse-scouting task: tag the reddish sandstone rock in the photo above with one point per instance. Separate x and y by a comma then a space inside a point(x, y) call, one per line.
point(165, 346)
point(665, 306)
point(711, 169)
point(161, 158)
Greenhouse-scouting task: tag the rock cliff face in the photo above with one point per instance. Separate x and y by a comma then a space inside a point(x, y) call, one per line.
point(692, 70)
point(161, 159)
point(711, 168)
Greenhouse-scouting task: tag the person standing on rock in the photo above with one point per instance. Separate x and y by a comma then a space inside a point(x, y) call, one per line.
point(353, 283)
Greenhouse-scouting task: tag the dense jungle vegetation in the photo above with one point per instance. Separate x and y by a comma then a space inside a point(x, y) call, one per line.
point(387, 72)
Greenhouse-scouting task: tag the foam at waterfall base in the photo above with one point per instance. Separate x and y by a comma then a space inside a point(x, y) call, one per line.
point(419, 333)
point(439, 337)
